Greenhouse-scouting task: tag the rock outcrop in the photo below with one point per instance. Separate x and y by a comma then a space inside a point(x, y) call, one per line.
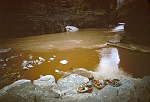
point(136, 15)
point(131, 89)
point(34, 17)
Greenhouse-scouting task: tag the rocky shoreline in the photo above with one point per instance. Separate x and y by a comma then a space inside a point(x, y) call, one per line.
point(47, 89)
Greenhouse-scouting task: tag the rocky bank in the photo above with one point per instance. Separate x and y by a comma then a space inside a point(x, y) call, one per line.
point(46, 89)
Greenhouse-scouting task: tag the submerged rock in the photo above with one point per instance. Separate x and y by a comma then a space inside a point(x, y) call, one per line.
point(83, 72)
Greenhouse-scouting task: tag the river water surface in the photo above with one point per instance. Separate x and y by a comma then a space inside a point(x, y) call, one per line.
point(63, 51)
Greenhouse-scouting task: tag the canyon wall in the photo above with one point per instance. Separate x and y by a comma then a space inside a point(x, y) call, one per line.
point(32, 17)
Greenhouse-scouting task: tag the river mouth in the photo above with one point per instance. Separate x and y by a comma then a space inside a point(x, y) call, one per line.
point(64, 51)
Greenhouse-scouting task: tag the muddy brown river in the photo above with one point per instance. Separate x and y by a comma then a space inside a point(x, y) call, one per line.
point(30, 57)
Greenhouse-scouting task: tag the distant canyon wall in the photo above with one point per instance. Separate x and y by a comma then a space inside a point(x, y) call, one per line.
point(136, 15)
point(20, 18)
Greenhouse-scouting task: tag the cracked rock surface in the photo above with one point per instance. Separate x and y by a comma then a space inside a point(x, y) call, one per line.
point(45, 89)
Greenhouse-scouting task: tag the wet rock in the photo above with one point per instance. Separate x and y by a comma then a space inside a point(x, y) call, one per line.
point(83, 72)
point(64, 74)
point(69, 84)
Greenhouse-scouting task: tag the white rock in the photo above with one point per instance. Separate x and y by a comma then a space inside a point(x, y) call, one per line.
point(39, 63)
point(36, 61)
point(25, 68)
point(57, 71)
point(71, 29)
point(63, 61)
point(30, 66)
point(51, 59)
point(45, 82)
point(41, 59)
point(25, 61)
point(119, 28)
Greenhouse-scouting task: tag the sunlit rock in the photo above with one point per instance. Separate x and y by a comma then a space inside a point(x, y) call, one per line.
point(69, 84)
point(45, 82)
point(120, 27)
point(71, 29)
point(63, 61)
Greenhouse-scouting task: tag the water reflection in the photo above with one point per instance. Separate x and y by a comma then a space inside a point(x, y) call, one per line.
point(109, 64)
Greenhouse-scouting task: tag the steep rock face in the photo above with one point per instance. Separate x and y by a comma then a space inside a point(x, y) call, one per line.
point(136, 15)
point(33, 17)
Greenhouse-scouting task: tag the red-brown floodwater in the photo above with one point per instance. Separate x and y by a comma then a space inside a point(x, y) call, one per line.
point(64, 51)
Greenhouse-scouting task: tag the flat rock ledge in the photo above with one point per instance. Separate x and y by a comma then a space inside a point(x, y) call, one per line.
point(46, 89)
